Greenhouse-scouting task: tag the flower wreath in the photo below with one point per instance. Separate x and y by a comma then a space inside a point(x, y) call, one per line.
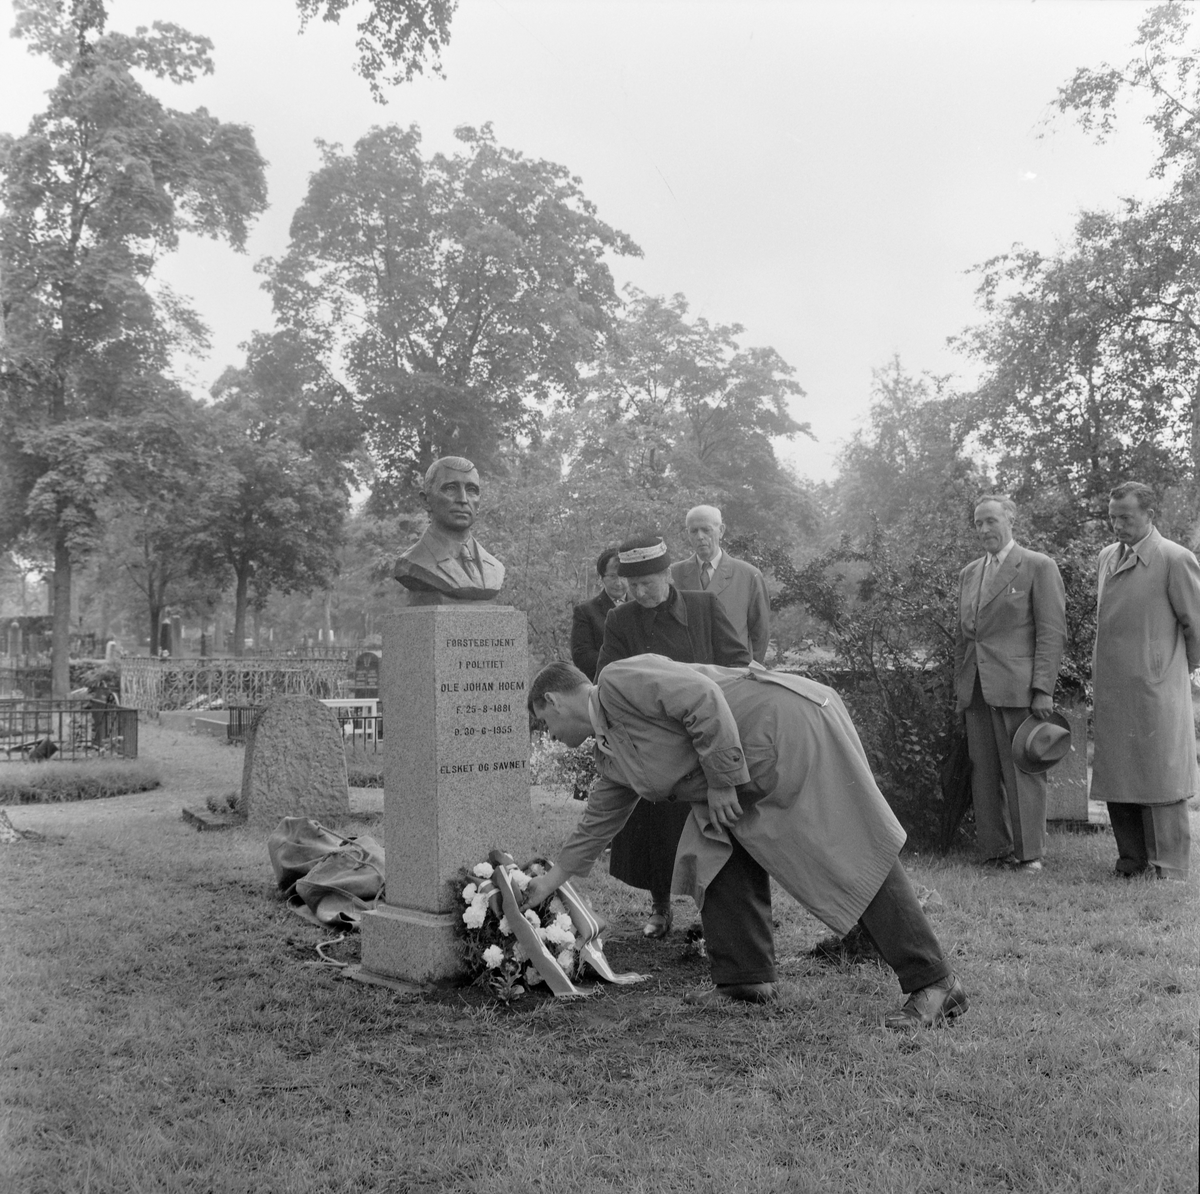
point(510, 949)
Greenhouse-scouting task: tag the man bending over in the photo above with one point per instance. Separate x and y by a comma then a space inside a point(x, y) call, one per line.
point(778, 785)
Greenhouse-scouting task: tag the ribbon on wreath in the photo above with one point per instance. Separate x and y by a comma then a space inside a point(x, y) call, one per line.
point(588, 930)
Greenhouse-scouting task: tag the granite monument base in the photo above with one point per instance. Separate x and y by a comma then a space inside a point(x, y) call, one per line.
point(1067, 781)
point(452, 687)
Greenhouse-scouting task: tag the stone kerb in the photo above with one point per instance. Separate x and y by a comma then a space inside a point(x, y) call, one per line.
point(456, 773)
point(295, 764)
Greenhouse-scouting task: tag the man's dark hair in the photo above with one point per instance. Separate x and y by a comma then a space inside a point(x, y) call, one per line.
point(1144, 494)
point(603, 558)
point(559, 676)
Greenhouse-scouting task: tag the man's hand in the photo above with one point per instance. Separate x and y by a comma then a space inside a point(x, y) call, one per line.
point(542, 887)
point(1042, 706)
point(723, 806)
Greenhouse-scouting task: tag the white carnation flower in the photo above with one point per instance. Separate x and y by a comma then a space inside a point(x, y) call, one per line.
point(474, 916)
point(564, 921)
point(532, 977)
point(518, 953)
point(469, 891)
point(532, 917)
point(557, 935)
point(483, 870)
point(566, 959)
point(505, 927)
point(519, 879)
point(492, 957)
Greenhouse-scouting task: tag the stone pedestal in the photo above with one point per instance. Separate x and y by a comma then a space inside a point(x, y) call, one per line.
point(1067, 781)
point(453, 683)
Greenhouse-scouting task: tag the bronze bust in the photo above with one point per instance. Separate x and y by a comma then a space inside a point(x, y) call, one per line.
point(448, 564)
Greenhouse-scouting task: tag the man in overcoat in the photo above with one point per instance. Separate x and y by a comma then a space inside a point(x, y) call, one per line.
point(684, 626)
point(738, 586)
point(587, 619)
point(1147, 643)
point(1012, 628)
point(777, 785)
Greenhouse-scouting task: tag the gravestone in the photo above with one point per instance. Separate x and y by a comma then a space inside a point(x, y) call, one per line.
point(295, 764)
point(1067, 780)
point(366, 675)
point(456, 774)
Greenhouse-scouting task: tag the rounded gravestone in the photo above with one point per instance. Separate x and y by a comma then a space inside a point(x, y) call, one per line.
point(295, 764)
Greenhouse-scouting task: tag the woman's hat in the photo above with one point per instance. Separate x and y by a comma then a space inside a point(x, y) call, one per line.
point(1038, 745)
point(643, 556)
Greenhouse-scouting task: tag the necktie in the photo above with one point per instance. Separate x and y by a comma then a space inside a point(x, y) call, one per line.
point(1120, 557)
point(469, 565)
point(705, 574)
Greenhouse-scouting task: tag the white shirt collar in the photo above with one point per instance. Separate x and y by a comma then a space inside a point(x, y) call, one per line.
point(711, 563)
point(1002, 554)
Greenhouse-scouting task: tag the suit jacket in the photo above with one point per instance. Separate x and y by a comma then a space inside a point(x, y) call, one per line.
point(1147, 643)
point(711, 634)
point(587, 632)
point(432, 566)
point(742, 592)
point(813, 815)
point(1012, 636)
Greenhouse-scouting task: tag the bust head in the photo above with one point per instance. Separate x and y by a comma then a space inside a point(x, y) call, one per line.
point(451, 495)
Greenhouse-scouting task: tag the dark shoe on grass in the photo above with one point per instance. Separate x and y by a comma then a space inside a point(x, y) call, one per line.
point(930, 1006)
point(742, 992)
point(659, 924)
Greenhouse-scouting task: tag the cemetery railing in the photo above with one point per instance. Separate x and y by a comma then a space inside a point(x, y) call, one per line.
point(37, 730)
point(364, 730)
point(154, 685)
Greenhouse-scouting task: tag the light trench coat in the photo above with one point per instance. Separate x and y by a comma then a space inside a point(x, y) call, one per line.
point(813, 816)
point(1147, 642)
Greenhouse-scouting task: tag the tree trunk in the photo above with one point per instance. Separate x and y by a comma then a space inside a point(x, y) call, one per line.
point(60, 647)
point(239, 613)
point(155, 622)
point(328, 620)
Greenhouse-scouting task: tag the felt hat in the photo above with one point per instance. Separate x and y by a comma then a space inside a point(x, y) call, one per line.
point(1038, 745)
point(643, 556)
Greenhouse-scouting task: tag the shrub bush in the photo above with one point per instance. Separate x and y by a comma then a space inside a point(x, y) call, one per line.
point(52, 783)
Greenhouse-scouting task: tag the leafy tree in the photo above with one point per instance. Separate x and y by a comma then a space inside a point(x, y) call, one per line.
point(275, 498)
point(678, 405)
point(101, 185)
point(1092, 355)
point(401, 33)
point(908, 468)
point(457, 292)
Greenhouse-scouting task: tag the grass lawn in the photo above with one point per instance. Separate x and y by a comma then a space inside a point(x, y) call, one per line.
point(165, 1029)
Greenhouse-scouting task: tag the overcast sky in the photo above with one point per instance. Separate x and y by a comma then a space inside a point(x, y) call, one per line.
point(823, 172)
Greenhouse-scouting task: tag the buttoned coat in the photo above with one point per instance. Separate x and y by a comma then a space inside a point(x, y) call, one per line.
point(713, 638)
point(587, 631)
point(1012, 635)
point(1147, 642)
point(742, 592)
point(813, 815)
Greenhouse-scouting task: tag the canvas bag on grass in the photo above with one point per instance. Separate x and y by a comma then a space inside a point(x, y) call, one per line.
point(328, 878)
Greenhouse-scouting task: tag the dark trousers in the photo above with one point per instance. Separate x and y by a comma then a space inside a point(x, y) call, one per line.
point(1151, 835)
point(741, 945)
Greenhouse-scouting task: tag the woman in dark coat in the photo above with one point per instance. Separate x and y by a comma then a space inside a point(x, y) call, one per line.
point(587, 621)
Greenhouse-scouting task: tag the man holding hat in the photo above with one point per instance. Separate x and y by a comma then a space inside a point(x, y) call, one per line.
point(1012, 628)
point(690, 627)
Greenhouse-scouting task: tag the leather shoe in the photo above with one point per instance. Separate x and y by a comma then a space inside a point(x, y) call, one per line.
point(1013, 863)
point(659, 924)
point(743, 992)
point(930, 1006)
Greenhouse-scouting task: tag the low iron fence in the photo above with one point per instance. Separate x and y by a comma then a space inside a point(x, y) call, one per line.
point(35, 731)
point(365, 732)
